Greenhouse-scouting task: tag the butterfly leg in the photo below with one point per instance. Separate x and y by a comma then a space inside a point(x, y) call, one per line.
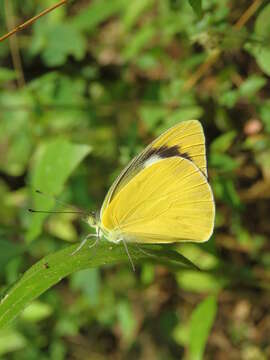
point(128, 254)
point(84, 241)
point(96, 242)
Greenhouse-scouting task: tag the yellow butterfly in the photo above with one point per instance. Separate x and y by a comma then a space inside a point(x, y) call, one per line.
point(163, 195)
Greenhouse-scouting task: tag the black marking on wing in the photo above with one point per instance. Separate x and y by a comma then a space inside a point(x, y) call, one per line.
point(186, 156)
point(166, 152)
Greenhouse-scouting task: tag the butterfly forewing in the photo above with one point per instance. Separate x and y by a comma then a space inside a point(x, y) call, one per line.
point(185, 140)
point(169, 200)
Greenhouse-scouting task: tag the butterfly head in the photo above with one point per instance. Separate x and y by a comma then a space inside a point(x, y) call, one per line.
point(92, 219)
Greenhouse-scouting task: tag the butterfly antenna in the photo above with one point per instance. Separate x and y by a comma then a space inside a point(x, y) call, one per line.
point(54, 212)
point(37, 191)
point(128, 254)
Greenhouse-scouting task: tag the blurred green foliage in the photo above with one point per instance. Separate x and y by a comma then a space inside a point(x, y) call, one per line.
point(102, 79)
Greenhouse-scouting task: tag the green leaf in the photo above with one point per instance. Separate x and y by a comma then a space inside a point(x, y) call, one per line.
point(198, 282)
point(53, 268)
point(56, 42)
point(222, 143)
point(138, 41)
point(16, 129)
point(126, 320)
point(88, 281)
point(263, 158)
point(262, 55)
point(54, 163)
point(200, 254)
point(202, 320)
point(196, 6)
point(262, 25)
point(6, 75)
point(224, 189)
point(8, 251)
point(251, 86)
point(36, 311)
point(152, 115)
point(98, 11)
point(187, 112)
point(223, 162)
point(11, 340)
point(147, 274)
point(229, 98)
point(63, 40)
point(134, 11)
point(262, 30)
point(265, 114)
point(174, 256)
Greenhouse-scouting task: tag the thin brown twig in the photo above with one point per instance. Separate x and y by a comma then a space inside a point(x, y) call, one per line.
point(14, 47)
point(214, 55)
point(212, 58)
point(33, 19)
point(247, 14)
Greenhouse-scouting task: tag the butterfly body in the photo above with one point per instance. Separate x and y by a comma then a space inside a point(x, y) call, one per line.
point(163, 195)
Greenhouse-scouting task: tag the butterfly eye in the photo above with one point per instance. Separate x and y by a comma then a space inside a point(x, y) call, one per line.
point(92, 219)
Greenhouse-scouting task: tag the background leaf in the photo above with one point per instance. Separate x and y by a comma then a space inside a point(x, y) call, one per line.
point(202, 320)
point(11, 340)
point(53, 164)
point(262, 28)
point(196, 6)
point(97, 12)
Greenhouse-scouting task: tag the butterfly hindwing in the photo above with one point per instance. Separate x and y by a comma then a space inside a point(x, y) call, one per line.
point(185, 140)
point(168, 201)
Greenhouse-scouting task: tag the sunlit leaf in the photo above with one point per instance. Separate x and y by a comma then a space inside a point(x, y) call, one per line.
point(222, 143)
point(202, 320)
point(11, 340)
point(126, 320)
point(6, 75)
point(53, 268)
point(98, 11)
point(137, 43)
point(262, 30)
point(36, 311)
point(200, 281)
point(53, 164)
point(252, 85)
point(134, 11)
